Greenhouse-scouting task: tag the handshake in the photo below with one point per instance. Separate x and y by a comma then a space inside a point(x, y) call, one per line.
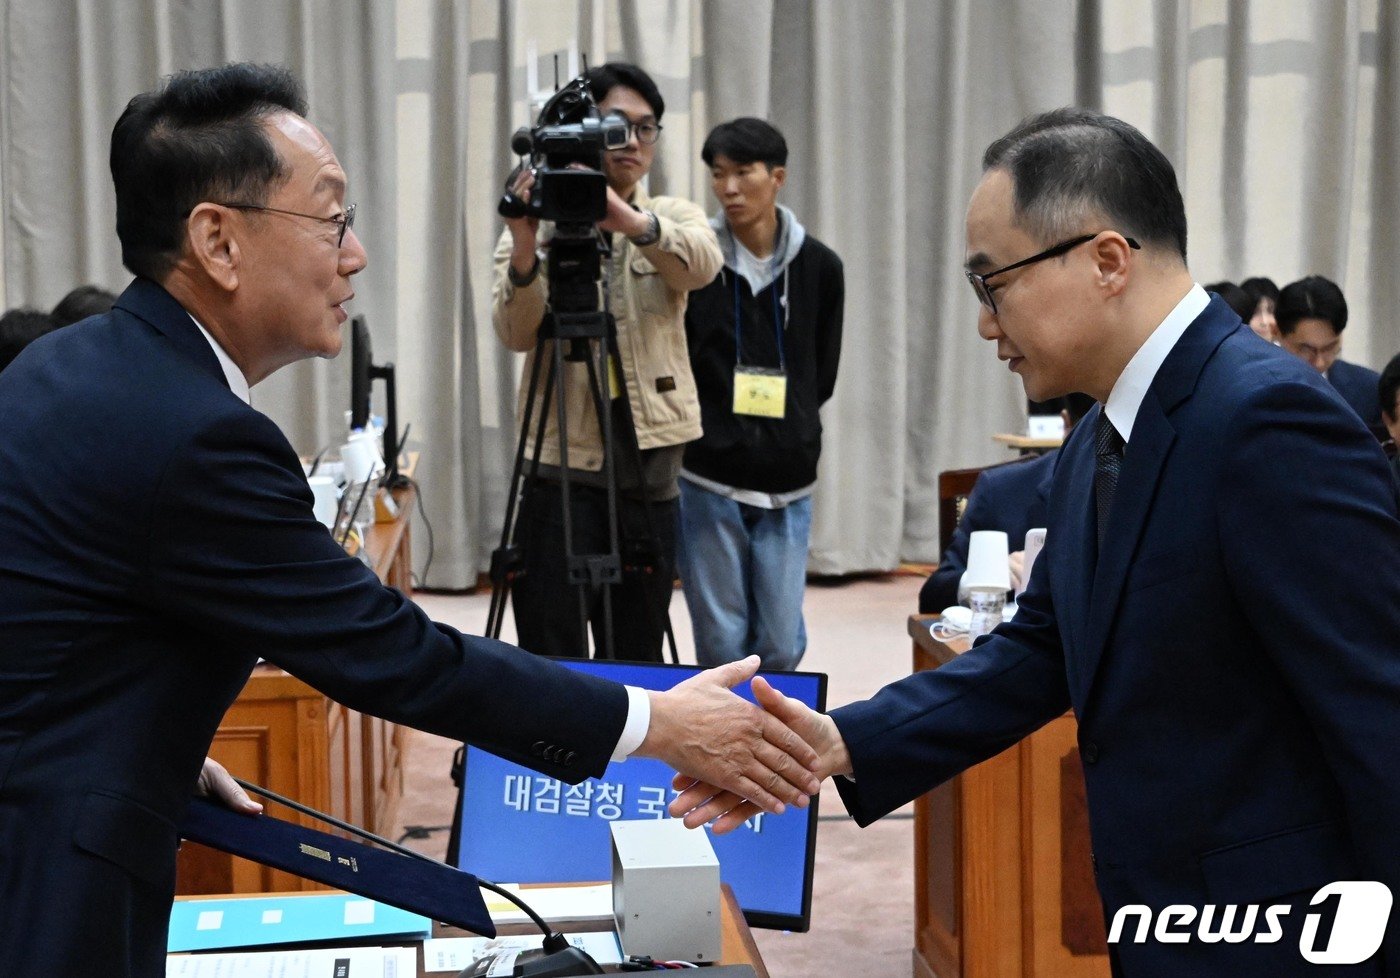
point(735, 759)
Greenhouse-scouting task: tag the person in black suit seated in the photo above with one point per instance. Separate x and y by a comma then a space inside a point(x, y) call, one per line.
point(1388, 401)
point(1005, 497)
point(159, 538)
point(19, 328)
point(1311, 313)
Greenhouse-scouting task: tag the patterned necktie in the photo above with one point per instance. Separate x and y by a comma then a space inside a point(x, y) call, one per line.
point(1108, 462)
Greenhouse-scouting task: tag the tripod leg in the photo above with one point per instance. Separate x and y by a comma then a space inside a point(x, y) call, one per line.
point(506, 560)
point(608, 649)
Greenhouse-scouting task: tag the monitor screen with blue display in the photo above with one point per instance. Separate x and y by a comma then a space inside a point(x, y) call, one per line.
point(515, 825)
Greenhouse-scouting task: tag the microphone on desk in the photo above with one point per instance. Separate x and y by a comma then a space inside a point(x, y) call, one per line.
point(437, 892)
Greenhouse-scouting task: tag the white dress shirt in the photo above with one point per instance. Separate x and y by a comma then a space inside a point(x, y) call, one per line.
point(1131, 387)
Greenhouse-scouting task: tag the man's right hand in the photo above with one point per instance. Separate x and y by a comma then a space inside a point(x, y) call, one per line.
point(705, 800)
point(711, 736)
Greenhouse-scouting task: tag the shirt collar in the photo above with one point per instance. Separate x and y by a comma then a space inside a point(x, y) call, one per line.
point(1127, 394)
point(236, 381)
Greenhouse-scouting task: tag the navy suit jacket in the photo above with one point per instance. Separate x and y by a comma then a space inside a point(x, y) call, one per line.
point(158, 538)
point(1359, 387)
point(1005, 497)
point(1232, 655)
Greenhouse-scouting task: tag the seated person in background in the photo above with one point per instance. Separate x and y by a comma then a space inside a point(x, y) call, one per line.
point(20, 327)
point(1265, 295)
point(1389, 404)
point(1311, 313)
point(82, 302)
point(1235, 297)
point(1006, 497)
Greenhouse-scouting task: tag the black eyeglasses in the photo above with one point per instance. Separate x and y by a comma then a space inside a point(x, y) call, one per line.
point(979, 282)
point(343, 221)
point(646, 132)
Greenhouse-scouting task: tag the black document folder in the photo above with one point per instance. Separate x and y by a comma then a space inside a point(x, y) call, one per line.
point(421, 886)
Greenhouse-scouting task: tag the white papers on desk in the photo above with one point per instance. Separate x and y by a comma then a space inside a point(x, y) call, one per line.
point(552, 903)
point(455, 953)
point(333, 962)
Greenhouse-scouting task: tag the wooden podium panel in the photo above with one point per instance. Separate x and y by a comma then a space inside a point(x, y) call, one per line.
point(1003, 880)
point(292, 739)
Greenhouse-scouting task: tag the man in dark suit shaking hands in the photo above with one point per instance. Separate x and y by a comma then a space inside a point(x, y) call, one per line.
point(1219, 600)
point(159, 537)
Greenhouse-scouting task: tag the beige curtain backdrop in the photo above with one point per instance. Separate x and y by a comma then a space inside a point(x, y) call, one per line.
point(1282, 117)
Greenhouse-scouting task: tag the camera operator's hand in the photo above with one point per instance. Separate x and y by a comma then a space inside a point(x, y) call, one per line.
point(623, 217)
point(523, 230)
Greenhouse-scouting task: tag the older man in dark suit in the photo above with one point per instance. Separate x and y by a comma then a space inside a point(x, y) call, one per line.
point(159, 537)
point(1236, 727)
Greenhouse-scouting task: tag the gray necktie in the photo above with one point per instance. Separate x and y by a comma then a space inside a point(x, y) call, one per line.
point(1108, 462)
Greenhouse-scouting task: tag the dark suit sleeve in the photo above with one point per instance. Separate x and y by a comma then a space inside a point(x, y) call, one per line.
point(1315, 562)
point(917, 733)
point(830, 318)
point(238, 559)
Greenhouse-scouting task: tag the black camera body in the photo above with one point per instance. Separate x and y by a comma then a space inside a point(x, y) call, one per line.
point(569, 131)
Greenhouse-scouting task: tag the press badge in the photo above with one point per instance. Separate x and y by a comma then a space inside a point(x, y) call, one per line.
point(760, 392)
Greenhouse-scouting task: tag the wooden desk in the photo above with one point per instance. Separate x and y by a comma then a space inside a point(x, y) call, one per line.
point(292, 739)
point(1003, 886)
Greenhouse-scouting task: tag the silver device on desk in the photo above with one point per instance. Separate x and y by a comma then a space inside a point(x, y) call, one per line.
point(666, 891)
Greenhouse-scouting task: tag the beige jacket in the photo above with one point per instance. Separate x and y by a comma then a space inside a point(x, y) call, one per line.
point(649, 287)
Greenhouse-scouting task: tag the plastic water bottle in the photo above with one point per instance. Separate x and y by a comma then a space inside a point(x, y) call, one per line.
point(987, 605)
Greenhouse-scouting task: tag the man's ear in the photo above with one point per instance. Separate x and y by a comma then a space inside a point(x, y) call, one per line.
point(1113, 261)
point(210, 243)
point(779, 176)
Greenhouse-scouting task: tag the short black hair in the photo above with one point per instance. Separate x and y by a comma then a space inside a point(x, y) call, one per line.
point(605, 77)
point(1235, 297)
point(82, 302)
point(746, 140)
point(1260, 287)
point(1389, 387)
point(19, 328)
point(1313, 297)
point(198, 137)
point(1068, 163)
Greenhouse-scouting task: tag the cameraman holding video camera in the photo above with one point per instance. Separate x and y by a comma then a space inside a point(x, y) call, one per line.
point(662, 249)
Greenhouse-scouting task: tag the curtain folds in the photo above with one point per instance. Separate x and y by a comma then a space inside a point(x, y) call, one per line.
point(1281, 118)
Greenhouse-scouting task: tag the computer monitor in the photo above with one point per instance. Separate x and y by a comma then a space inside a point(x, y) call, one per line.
point(515, 825)
point(363, 372)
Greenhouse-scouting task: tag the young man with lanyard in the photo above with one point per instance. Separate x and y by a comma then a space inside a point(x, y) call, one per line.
point(662, 248)
point(765, 339)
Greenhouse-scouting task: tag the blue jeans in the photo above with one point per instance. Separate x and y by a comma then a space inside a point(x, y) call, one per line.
point(743, 569)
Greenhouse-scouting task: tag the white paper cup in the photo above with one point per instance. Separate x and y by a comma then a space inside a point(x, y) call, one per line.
point(361, 457)
point(987, 561)
point(323, 488)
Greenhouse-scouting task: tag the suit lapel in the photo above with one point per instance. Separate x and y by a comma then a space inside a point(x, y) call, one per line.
point(1147, 454)
point(1072, 539)
point(149, 302)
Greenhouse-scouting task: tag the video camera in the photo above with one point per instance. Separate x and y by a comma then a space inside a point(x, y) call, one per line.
point(569, 130)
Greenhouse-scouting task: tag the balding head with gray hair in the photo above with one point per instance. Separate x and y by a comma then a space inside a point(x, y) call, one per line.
point(1073, 168)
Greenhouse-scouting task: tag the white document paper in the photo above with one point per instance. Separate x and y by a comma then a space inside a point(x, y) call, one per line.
point(553, 903)
point(455, 953)
point(363, 962)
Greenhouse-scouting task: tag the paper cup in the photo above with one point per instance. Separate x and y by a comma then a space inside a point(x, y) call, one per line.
point(987, 557)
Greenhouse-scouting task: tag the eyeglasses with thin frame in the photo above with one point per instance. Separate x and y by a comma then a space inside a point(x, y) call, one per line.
point(979, 282)
point(646, 132)
point(344, 221)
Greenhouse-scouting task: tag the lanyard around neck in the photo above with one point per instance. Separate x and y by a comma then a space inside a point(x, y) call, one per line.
point(779, 319)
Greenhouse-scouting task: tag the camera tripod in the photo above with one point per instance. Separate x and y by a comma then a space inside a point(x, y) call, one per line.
point(587, 337)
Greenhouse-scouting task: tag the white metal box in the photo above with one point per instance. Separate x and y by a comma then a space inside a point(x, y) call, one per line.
point(666, 891)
